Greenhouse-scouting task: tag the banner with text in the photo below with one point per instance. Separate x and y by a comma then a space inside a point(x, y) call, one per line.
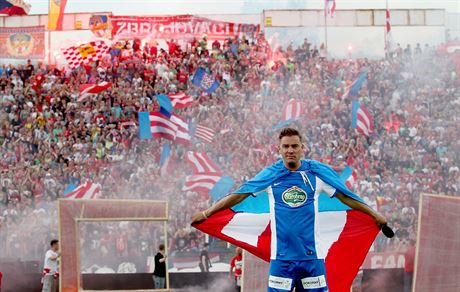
point(176, 27)
point(22, 42)
point(384, 260)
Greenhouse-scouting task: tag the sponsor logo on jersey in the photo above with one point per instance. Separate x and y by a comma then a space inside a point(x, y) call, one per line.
point(294, 196)
point(279, 283)
point(314, 282)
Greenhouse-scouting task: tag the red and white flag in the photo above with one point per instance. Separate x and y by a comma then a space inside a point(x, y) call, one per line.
point(201, 163)
point(329, 7)
point(361, 119)
point(201, 183)
point(388, 38)
point(292, 110)
point(85, 53)
point(174, 128)
point(180, 100)
point(204, 133)
point(87, 190)
point(87, 90)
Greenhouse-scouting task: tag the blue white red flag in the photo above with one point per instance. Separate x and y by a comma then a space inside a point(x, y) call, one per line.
point(345, 234)
point(204, 80)
point(361, 119)
point(155, 124)
point(353, 89)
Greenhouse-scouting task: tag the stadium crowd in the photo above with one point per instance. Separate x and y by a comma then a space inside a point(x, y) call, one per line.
point(49, 139)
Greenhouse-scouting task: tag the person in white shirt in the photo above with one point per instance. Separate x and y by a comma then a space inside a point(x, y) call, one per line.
point(50, 267)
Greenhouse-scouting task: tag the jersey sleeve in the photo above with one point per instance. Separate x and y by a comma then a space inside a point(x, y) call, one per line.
point(323, 187)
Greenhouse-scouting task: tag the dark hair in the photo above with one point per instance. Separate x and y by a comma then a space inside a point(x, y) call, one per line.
point(53, 242)
point(206, 244)
point(161, 247)
point(288, 132)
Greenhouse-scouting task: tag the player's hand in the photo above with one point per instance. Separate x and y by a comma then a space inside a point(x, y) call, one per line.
point(198, 217)
point(380, 219)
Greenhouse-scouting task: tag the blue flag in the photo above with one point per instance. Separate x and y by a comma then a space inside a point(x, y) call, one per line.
point(166, 107)
point(205, 81)
point(145, 132)
point(356, 86)
point(165, 153)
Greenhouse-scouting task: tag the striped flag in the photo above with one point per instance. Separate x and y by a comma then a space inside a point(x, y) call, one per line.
point(155, 124)
point(87, 190)
point(201, 163)
point(388, 35)
point(56, 14)
point(361, 119)
point(329, 7)
point(345, 235)
point(180, 100)
point(292, 110)
point(204, 133)
point(87, 90)
point(202, 182)
point(85, 54)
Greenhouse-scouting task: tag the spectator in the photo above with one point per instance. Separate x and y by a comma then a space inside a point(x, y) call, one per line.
point(159, 275)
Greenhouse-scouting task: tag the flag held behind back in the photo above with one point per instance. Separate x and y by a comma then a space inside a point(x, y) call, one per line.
point(346, 234)
point(222, 188)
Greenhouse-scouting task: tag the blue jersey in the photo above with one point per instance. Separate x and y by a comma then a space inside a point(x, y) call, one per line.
point(293, 204)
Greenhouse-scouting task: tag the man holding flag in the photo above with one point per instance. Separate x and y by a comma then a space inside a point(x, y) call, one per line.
point(297, 256)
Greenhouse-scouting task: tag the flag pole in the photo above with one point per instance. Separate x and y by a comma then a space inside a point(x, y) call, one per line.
point(325, 27)
point(387, 54)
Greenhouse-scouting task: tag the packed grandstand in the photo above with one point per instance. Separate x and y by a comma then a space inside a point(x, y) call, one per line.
point(51, 138)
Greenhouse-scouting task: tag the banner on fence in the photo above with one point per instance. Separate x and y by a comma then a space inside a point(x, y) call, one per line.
point(22, 42)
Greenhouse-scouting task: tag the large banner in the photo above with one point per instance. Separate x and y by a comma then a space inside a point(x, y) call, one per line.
point(22, 42)
point(177, 27)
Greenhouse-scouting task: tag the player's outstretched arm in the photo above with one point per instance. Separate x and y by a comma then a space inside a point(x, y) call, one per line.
point(225, 203)
point(379, 219)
